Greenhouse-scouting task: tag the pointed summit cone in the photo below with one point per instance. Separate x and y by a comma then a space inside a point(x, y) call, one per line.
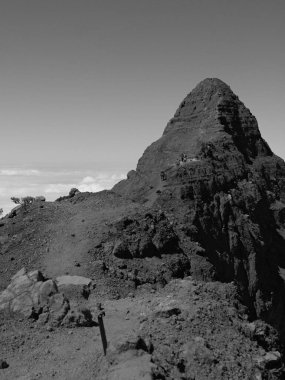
point(223, 189)
point(209, 123)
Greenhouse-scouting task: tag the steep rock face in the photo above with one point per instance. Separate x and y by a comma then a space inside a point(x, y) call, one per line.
point(217, 179)
point(141, 249)
point(211, 116)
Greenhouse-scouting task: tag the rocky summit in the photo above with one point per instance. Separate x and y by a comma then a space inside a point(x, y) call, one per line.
point(185, 257)
point(213, 173)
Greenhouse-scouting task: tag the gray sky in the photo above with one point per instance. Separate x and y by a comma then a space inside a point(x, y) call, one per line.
point(86, 85)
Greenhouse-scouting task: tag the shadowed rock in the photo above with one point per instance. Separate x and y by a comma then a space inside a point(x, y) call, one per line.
point(224, 189)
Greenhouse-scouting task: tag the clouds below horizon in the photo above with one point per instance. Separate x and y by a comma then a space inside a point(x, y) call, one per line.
point(19, 182)
point(101, 182)
point(19, 172)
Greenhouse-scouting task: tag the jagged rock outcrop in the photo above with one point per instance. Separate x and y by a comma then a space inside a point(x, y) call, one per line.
point(33, 296)
point(145, 236)
point(212, 173)
point(143, 248)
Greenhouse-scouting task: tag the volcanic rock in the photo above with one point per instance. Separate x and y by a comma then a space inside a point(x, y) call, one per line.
point(129, 359)
point(209, 339)
point(23, 294)
point(207, 200)
point(145, 236)
point(3, 364)
point(213, 174)
point(136, 366)
point(33, 296)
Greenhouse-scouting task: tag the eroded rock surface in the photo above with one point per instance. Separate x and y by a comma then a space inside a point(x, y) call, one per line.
point(33, 296)
point(144, 248)
point(216, 178)
point(200, 330)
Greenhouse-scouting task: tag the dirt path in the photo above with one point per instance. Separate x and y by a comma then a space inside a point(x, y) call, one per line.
point(200, 325)
point(66, 354)
point(72, 238)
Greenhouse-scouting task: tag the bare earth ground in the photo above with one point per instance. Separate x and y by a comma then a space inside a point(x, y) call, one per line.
point(190, 330)
point(53, 237)
point(35, 353)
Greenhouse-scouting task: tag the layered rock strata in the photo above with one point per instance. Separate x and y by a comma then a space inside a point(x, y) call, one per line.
point(215, 177)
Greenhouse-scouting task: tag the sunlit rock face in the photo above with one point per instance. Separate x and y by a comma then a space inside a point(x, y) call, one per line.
point(223, 189)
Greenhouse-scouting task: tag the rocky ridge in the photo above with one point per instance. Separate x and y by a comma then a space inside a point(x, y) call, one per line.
point(207, 200)
point(214, 175)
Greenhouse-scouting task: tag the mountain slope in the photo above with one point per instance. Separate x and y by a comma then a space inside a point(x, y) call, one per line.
point(188, 252)
point(213, 174)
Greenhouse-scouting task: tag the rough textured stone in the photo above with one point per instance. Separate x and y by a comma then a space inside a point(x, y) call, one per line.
point(45, 300)
point(3, 364)
point(134, 367)
point(225, 191)
point(211, 204)
point(144, 248)
point(58, 309)
point(210, 338)
point(47, 289)
point(72, 280)
point(81, 317)
point(145, 235)
point(23, 293)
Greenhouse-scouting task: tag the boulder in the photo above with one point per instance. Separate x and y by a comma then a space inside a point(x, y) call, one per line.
point(67, 280)
point(3, 364)
point(23, 293)
point(57, 309)
point(32, 295)
point(47, 289)
point(74, 287)
point(81, 317)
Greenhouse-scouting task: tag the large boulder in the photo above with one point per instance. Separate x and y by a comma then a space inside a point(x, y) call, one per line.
point(23, 294)
point(33, 296)
point(68, 280)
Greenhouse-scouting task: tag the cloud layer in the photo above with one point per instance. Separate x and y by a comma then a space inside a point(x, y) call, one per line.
point(19, 182)
point(92, 184)
point(19, 172)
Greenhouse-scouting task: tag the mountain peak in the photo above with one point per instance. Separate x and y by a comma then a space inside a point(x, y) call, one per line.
point(203, 98)
point(211, 115)
point(213, 84)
